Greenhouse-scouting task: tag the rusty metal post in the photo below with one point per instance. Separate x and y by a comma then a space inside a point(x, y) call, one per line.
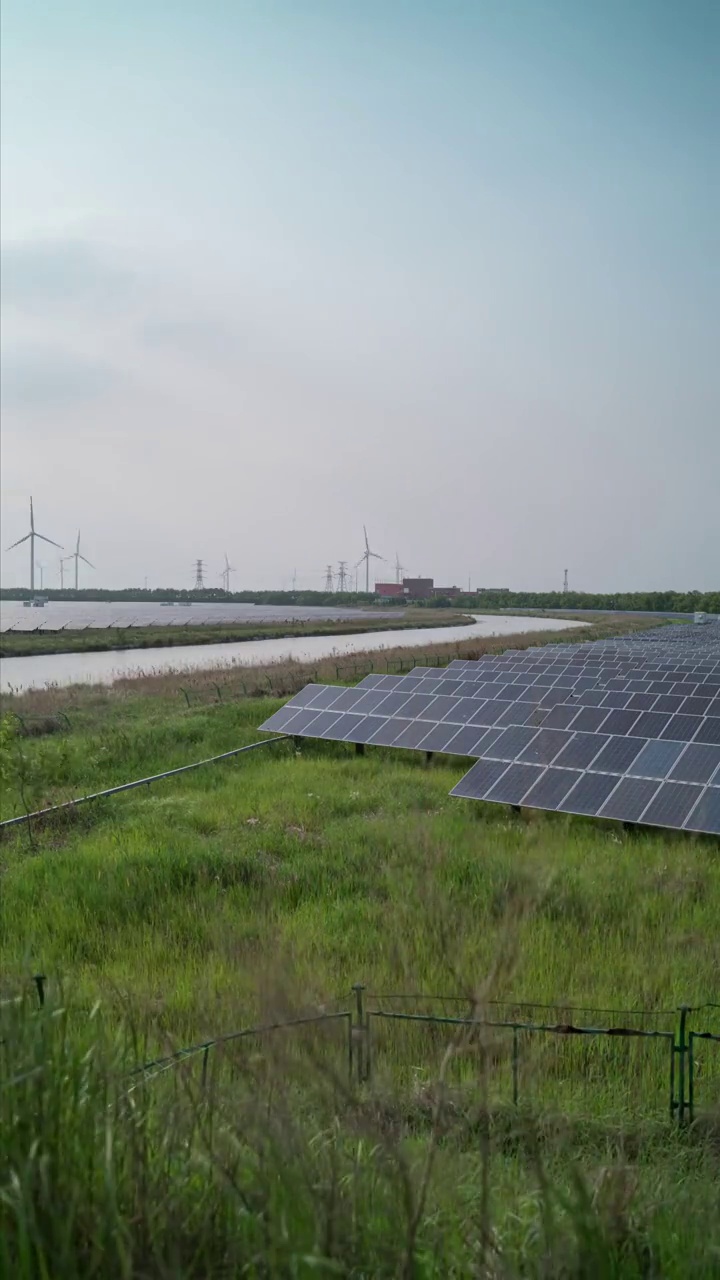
point(359, 1034)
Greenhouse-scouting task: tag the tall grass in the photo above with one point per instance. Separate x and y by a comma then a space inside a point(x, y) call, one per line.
point(279, 1170)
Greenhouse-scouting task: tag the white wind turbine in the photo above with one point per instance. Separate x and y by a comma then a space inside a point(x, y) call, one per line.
point(367, 556)
point(75, 555)
point(32, 535)
point(225, 575)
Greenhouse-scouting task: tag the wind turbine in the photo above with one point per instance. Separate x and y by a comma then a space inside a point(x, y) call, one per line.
point(367, 557)
point(225, 575)
point(75, 555)
point(32, 535)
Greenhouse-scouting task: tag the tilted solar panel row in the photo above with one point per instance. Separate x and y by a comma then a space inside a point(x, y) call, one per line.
point(640, 743)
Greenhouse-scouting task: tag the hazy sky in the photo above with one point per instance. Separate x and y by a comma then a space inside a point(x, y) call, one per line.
point(274, 270)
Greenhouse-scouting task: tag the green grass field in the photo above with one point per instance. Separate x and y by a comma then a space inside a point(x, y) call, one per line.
point(264, 888)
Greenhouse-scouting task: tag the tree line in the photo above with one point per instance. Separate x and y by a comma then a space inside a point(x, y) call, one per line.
point(635, 601)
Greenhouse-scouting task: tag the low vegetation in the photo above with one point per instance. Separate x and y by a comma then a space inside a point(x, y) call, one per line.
point(264, 888)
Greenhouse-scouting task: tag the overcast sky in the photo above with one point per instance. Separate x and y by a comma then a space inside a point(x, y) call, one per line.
point(275, 270)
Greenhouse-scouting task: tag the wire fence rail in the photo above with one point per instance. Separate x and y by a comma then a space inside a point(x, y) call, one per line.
point(71, 805)
point(649, 1062)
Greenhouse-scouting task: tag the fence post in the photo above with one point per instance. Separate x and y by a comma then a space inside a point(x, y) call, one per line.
point(359, 1034)
point(515, 1065)
point(206, 1054)
point(691, 1078)
point(682, 1049)
point(39, 979)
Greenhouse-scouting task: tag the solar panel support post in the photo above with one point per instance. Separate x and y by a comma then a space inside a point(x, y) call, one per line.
point(428, 756)
point(359, 748)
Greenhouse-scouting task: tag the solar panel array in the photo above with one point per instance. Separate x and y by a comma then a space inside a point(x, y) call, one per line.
point(626, 729)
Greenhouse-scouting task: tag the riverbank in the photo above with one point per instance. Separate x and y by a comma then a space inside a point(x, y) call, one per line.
point(40, 670)
point(17, 644)
point(223, 682)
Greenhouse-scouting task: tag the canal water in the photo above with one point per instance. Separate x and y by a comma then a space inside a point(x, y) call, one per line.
point(18, 674)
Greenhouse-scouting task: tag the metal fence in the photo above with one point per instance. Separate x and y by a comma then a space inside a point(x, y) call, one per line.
point(628, 1062)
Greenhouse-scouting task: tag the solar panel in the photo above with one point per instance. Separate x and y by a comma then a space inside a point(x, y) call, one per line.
point(627, 729)
point(706, 814)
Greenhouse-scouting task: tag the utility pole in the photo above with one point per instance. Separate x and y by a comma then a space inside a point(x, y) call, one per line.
point(329, 580)
point(199, 583)
point(342, 575)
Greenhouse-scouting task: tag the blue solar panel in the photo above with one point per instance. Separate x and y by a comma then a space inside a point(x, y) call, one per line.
point(626, 728)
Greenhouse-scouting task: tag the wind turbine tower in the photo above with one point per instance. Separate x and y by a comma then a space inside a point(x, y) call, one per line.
point(366, 557)
point(225, 575)
point(32, 535)
point(565, 582)
point(62, 573)
point(41, 567)
point(199, 582)
point(77, 557)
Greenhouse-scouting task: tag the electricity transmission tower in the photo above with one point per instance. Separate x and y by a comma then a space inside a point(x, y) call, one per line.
point(199, 582)
point(342, 576)
point(329, 580)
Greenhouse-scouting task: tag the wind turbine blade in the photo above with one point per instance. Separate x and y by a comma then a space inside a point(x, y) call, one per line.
point(375, 555)
point(32, 516)
point(52, 544)
point(17, 544)
point(86, 561)
point(355, 566)
point(77, 545)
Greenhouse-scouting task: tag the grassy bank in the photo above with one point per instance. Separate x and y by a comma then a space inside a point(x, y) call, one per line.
point(258, 889)
point(20, 644)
